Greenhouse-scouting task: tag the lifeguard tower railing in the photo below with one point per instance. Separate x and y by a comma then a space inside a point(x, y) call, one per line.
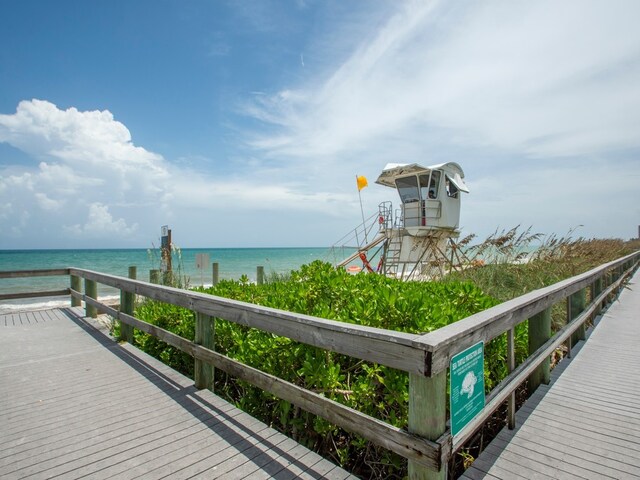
point(426, 441)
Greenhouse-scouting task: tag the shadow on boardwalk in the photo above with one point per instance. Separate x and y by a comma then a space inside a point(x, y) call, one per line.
point(76, 403)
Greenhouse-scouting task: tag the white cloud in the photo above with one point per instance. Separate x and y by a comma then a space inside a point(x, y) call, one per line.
point(87, 162)
point(89, 168)
point(524, 95)
point(100, 222)
point(48, 204)
point(543, 78)
point(542, 83)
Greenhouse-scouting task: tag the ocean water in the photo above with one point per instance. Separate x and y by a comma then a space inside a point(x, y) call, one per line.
point(233, 263)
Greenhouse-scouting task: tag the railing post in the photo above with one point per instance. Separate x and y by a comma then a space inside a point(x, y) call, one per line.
point(595, 291)
point(577, 303)
point(539, 333)
point(127, 305)
point(427, 416)
point(260, 275)
point(91, 290)
point(154, 276)
point(76, 285)
point(511, 365)
point(215, 271)
point(205, 336)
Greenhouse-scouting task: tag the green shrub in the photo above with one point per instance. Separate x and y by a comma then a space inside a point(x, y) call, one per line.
point(321, 290)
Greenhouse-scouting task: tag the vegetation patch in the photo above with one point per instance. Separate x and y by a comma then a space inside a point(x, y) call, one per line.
point(320, 290)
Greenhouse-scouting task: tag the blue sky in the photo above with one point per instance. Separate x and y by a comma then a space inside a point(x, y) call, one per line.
point(244, 123)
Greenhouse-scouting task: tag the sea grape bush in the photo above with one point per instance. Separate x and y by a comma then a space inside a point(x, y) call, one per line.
point(321, 290)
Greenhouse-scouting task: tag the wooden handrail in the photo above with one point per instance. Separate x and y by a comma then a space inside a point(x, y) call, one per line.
point(486, 325)
point(49, 293)
point(385, 347)
point(425, 357)
point(509, 384)
point(51, 272)
point(413, 447)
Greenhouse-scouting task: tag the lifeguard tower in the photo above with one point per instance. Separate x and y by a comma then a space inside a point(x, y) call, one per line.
point(418, 242)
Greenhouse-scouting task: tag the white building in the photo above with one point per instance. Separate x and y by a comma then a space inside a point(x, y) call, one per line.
point(417, 240)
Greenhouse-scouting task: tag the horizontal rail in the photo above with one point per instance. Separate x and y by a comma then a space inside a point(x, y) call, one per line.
point(51, 272)
point(410, 446)
point(50, 293)
point(385, 347)
point(425, 355)
point(526, 368)
point(447, 341)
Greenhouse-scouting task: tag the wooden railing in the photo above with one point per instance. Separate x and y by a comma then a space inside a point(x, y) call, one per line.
point(34, 273)
point(427, 442)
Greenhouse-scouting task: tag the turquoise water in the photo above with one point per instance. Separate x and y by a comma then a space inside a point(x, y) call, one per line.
point(233, 263)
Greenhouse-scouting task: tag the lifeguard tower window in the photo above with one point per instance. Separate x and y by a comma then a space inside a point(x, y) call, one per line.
point(408, 189)
point(452, 190)
point(429, 184)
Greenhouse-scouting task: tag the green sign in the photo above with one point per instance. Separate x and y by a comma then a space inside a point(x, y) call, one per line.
point(467, 386)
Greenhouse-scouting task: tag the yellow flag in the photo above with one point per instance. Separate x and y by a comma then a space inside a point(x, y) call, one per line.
point(362, 182)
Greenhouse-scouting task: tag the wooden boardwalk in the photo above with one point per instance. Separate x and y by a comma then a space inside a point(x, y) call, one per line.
point(75, 404)
point(586, 422)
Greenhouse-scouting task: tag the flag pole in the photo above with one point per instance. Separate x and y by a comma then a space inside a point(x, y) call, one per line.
point(362, 212)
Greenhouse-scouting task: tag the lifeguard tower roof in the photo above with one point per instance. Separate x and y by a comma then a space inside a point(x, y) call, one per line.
point(392, 171)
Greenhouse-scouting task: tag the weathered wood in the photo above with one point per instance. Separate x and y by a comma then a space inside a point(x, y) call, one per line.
point(577, 302)
point(386, 347)
point(596, 288)
point(484, 326)
point(500, 393)
point(67, 427)
point(428, 418)
point(511, 365)
point(127, 302)
point(50, 293)
point(260, 275)
point(91, 291)
point(76, 284)
point(154, 276)
point(215, 273)
point(539, 333)
point(49, 272)
point(413, 447)
point(205, 336)
point(598, 421)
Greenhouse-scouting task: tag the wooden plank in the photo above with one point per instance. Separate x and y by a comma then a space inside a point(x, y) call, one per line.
point(171, 452)
point(204, 373)
point(500, 393)
point(100, 457)
point(51, 272)
point(204, 458)
point(259, 453)
point(75, 284)
point(563, 457)
point(413, 447)
point(600, 434)
point(83, 437)
point(386, 347)
point(91, 291)
point(587, 451)
point(533, 468)
point(585, 423)
point(127, 305)
point(539, 332)
point(428, 418)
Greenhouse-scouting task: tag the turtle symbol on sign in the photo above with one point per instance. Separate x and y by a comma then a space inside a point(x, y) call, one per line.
point(468, 384)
